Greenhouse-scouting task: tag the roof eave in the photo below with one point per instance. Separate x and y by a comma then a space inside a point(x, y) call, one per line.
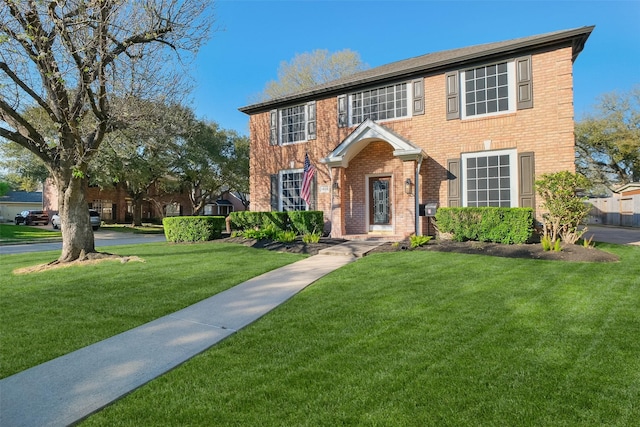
point(578, 38)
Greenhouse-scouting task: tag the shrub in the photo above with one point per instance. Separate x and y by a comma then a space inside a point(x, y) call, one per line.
point(193, 228)
point(419, 240)
point(300, 222)
point(306, 222)
point(286, 236)
point(311, 238)
point(566, 211)
point(486, 224)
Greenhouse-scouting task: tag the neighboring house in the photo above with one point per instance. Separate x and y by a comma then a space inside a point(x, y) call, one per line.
point(116, 206)
point(622, 208)
point(228, 202)
point(465, 127)
point(15, 202)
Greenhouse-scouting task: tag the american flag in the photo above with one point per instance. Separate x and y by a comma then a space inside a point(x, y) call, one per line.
point(307, 178)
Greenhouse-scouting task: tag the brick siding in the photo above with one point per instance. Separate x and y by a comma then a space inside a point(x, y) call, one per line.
point(546, 129)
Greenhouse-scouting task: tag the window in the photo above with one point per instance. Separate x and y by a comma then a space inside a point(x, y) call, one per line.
point(293, 124)
point(382, 103)
point(487, 89)
point(490, 179)
point(290, 185)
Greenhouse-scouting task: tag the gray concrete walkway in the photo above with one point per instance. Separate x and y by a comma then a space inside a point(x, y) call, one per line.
point(69, 388)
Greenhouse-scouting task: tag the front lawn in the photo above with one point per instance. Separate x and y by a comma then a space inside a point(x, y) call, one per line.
point(45, 315)
point(422, 339)
point(17, 233)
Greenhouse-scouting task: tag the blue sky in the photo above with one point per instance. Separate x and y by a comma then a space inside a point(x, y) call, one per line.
point(253, 37)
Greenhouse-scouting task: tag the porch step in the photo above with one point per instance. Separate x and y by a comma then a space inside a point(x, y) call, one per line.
point(353, 248)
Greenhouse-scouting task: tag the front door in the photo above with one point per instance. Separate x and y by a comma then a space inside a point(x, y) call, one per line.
point(380, 215)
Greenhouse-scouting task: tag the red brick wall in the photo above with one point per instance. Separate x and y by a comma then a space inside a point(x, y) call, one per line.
point(546, 129)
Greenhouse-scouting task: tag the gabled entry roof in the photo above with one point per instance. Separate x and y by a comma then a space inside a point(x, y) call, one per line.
point(367, 132)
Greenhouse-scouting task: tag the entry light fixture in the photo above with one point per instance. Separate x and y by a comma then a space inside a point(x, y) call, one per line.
point(407, 186)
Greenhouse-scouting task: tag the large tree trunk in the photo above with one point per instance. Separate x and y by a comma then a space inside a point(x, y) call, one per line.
point(77, 234)
point(136, 202)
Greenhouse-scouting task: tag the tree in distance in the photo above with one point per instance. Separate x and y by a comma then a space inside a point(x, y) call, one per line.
point(306, 70)
point(608, 141)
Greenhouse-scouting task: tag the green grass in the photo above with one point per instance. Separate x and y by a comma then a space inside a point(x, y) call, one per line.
point(422, 339)
point(48, 314)
point(16, 233)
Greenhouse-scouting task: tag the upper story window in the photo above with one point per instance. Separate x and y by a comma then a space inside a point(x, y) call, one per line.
point(382, 103)
point(487, 89)
point(293, 124)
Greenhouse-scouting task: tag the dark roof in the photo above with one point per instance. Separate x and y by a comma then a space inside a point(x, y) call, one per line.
point(22, 197)
point(433, 62)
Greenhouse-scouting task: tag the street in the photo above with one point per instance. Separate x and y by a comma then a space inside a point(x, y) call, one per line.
point(102, 238)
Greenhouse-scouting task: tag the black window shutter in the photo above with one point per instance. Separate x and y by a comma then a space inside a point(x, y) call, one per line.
point(275, 192)
point(454, 183)
point(418, 97)
point(342, 111)
point(526, 183)
point(524, 83)
point(311, 120)
point(273, 126)
point(453, 95)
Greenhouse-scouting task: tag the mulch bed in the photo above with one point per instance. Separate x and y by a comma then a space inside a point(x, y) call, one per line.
point(573, 253)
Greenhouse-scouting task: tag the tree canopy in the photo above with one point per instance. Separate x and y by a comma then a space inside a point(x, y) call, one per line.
point(608, 140)
point(77, 60)
point(309, 69)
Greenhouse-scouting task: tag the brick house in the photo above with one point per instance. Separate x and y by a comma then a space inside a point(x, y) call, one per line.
point(465, 127)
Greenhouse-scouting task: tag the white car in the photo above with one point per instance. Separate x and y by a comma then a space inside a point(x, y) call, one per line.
point(94, 217)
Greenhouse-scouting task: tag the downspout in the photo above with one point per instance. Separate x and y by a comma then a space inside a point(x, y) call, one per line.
point(417, 193)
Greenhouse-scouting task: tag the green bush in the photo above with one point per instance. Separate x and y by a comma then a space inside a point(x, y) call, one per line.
point(419, 240)
point(566, 210)
point(193, 228)
point(306, 222)
point(300, 222)
point(286, 236)
point(487, 224)
point(311, 238)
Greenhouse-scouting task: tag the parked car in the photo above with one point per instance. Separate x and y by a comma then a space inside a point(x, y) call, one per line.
point(94, 218)
point(32, 217)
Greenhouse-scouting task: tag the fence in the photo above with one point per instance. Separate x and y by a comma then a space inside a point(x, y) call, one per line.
point(616, 210)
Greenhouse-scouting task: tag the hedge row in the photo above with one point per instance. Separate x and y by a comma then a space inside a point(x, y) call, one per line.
point(301, 222)
point(487, 224)
point(193, 228)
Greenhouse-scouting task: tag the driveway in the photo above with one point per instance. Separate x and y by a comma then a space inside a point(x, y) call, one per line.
point(619, 235)
point(102, 238)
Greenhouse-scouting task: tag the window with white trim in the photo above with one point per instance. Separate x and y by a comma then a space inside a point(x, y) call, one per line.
point(490, 179)
point(290, 186)
point(381, 103)
point(488, 89)
point(293, 124)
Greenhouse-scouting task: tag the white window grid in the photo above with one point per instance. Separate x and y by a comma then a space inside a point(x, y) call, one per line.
point(293, 124)
point(490, 179)
point(382, 103)
point(290, 186)
point(488, 89)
